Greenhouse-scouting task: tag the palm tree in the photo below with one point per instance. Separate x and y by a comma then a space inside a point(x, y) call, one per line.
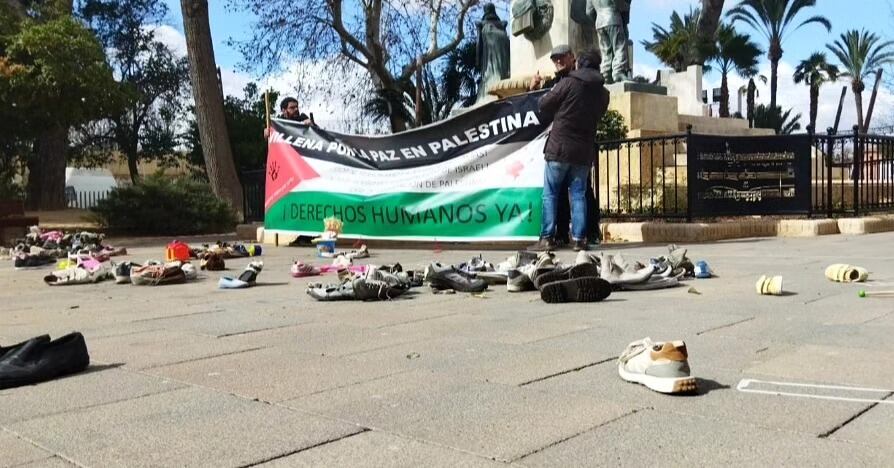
point(861, 53)
point(784, 123)
point(815, 72)
point(751, 90)
point(773, 18)
point(735, 51)
point(679, 47)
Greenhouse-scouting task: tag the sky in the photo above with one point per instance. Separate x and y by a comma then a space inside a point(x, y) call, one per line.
point(874, 15)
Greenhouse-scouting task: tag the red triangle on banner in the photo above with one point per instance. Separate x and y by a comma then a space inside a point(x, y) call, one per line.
point(285, 171)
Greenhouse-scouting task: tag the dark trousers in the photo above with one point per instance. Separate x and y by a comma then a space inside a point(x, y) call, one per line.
point(563, 216)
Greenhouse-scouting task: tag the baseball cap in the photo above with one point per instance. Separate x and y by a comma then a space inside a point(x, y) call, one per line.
point(560, 49)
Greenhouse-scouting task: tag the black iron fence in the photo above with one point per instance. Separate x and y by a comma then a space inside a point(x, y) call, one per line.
point(685, 176)
point(253, 195)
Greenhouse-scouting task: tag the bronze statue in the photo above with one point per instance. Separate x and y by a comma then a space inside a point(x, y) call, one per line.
point(492, 53)
point(611, 19)
point(533, 18)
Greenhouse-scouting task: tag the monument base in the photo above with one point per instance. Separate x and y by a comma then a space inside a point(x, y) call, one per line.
point(634, 87)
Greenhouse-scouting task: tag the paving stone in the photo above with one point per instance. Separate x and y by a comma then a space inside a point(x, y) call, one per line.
point(161, 347)
point(498, 421)
point(100, 384)
point(377, 449)
point(644, 438)
point(275, 374)
point(187, 427)
point(873, 427)
point(14, 451)
point(853, 367)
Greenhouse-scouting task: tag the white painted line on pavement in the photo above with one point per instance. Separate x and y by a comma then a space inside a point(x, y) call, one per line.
point(744, 383)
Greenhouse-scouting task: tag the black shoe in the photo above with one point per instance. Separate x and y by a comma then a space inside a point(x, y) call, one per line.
point(450, 278)
point(39, 359)
point(32, 261)
point(544, 244)
point(586, 289)
point(576, 271)
point(579, 245)
point(302, 241)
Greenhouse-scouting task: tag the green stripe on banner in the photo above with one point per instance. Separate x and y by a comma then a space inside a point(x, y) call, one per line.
point(494, 213)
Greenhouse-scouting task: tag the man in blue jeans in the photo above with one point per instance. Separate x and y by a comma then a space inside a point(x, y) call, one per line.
point(577, 103)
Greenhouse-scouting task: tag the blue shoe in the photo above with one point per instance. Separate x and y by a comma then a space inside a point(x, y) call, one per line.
point(702, 270)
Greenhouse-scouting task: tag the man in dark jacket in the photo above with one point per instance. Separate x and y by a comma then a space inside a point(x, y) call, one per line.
point(577, 103)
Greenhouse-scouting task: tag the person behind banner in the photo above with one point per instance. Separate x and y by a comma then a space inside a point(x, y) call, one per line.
point(577, 103)
point(289, 110)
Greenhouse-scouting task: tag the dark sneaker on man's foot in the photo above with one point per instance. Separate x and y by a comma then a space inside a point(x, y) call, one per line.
point(586, 289)
point(448, 277)
point(579, 245)
point(663, 367)
point(543, 245)
point(559, 274)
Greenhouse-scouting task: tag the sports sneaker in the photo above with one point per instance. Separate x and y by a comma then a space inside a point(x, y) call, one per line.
point(516, 281)
point(516, 260)
point(662, 366)
point(448, 277)
point(301, 269)
point(584, 289)
point(212, 261)
point(566, 273)
point(332, 292)
point(379, 285)
point(32, 261)
point(585, 257)
point(122, 272)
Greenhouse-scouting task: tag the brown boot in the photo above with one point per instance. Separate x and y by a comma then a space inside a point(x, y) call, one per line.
point(544, 244)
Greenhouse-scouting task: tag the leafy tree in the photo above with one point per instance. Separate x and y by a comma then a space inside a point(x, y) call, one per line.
point(389, 39)
point(153, 81)
point(773, 19)
point(246, 117)
point(735, 51)
point(54, 73)
point(860, 54)
point(680, 46)
point(210, 115)
point(815, 71)
point(611, 127)
point(784, 123)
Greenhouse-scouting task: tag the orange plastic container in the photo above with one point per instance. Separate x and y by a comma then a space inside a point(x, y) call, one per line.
point(177, 251)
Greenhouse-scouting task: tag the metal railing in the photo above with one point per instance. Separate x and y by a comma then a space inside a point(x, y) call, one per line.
point(253, 183)
point(84, 199)
point(642, 177)
point(852, 174)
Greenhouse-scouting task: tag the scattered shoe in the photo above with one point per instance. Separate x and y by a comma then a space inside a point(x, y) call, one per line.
point(122, 272)
point(516, 260)
point(585, 289)
point(154, 274)
point(702, 270)
point(39, 360)
point(448, 277)
point(212, 261)
point(662, 367)
point(301, 270)
point(566, 273)
point(769, 285)
point(245, 280)
point(843, 273)
point(379, 285)
point(32, 261)
point(79, 275)
point(341, 292)
point(516, 281)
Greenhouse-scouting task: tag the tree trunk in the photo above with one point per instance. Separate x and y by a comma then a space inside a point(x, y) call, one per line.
point(814, 105)
point(858, 99)
point(752, 89)
point(210, 117)
point(132, 168)
point(46, 171)
point(709, 20)
point(724, 96)
point(774, 82)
